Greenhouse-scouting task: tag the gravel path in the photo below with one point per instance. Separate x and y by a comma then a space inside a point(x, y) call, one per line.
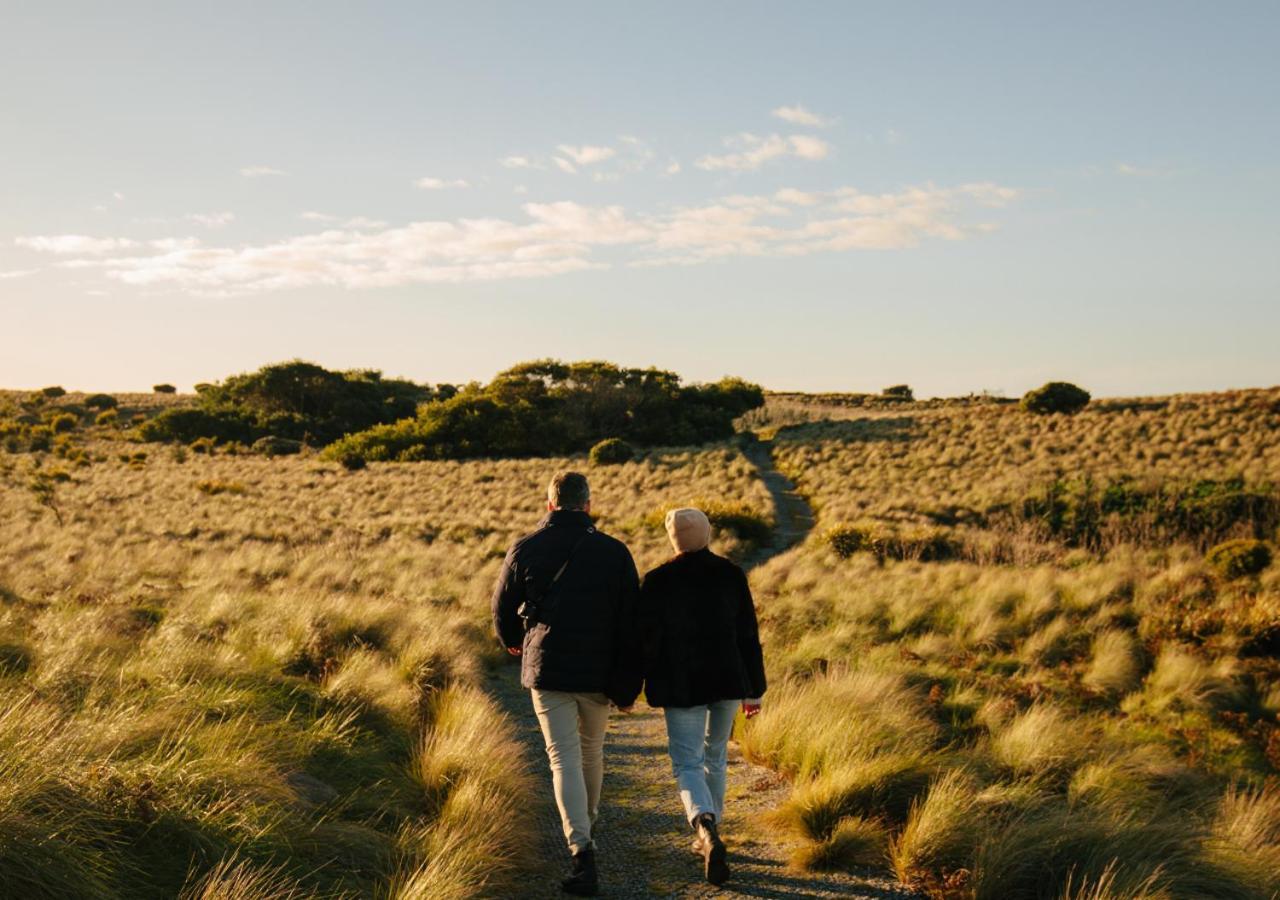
point(642, 839)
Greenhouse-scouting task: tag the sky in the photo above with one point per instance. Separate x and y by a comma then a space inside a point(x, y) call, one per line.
point(815, 196)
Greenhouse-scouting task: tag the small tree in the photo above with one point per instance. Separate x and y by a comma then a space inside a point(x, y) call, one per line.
point(53, 392)
point(1056, 397)
point(164, 389)
point(44, 488)
point(898, 392)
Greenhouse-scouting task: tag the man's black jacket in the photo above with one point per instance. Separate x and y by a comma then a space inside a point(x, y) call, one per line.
point(584, 638)
point(698, 625)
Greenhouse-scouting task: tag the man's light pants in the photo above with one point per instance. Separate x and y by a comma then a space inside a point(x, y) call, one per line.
point(573, 728)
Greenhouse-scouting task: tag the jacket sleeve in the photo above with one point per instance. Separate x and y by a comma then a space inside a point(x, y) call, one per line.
point(629, 663)
point(508, 594)
point(749, 642)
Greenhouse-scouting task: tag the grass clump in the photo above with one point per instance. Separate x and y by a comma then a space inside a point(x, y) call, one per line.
point(1239, 558)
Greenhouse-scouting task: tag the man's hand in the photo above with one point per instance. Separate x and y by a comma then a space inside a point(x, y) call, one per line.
point(514, 651)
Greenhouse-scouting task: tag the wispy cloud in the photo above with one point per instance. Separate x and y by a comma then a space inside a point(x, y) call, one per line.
point(211, 220)
point(17, 273)
point(552, 239)
point(750, 151)
point(261, 171)
point(516, 162)
point(587, 155)
point(439, 184)
point(313, 216)
point(1133, 171)
point(564, 165)
point(74, 244)
point(798, 115)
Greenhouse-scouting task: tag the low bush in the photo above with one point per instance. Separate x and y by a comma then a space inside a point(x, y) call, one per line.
point(53, 392)
point(276, 446)
point(101, 401)
point(612, 451)
point(917, 544)
point(1056, 397)
point(107, 417)
point(63, 423)
point(164, 389)
point(1239, 558)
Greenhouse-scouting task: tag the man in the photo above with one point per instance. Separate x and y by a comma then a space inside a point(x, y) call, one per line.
point(564, 603)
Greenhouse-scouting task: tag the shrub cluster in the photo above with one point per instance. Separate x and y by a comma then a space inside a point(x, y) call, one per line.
point(550, 408)
point(1085, 513)
point(295, 400)
point(917, 544)
point(1056, 397)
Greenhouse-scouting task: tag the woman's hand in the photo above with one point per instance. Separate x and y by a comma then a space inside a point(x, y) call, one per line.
point(750, 708)
point(514, 651)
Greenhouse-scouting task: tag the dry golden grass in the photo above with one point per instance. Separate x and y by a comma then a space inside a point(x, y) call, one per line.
point(231, 676)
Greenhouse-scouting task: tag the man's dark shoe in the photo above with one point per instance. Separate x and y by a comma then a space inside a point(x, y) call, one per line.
point(713, 854)
point(583, 880)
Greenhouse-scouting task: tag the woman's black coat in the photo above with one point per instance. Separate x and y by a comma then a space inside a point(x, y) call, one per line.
point(700, 638)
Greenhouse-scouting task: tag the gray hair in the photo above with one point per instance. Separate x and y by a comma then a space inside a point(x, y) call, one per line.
point(569, 490)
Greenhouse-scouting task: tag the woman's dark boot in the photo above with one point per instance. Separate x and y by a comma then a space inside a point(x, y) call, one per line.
point(713, 853)
point(583, 881)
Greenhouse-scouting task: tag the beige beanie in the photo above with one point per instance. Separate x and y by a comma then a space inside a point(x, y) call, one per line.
point(689, 529)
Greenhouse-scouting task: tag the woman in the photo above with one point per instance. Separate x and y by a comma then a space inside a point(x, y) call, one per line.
point(702, 660)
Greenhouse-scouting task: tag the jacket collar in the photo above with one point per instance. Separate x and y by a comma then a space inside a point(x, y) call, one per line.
point(571, 517)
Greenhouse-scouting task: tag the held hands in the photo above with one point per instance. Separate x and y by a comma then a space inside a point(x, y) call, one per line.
point(514, 651)
point(750, 709)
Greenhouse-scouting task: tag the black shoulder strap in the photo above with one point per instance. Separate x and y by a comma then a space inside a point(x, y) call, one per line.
point(582, 540)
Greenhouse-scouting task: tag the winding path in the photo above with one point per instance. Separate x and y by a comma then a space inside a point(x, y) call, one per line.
point(642, 839)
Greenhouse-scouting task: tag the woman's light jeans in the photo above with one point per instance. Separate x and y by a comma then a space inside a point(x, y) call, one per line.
point(698, 741)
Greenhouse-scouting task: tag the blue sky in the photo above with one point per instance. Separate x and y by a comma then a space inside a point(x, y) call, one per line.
point(820, 196)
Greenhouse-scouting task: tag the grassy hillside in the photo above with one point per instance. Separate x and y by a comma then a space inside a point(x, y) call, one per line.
point(1005, 666)
point(1008, 662)
point(231, 676)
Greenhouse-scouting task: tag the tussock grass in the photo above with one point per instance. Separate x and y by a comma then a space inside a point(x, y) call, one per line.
point(276, 692)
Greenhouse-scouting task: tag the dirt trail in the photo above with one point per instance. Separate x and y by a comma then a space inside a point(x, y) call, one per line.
point(642, 838)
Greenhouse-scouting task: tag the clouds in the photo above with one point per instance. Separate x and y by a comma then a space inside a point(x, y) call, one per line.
point(549, 239)
point(750, 151)
point(587, 155)
point(211, 220)
point(439, 184)
point(78, 244)
point(261, 172)
point(798, 115)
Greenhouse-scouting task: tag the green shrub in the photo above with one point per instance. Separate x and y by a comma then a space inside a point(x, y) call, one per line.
point(1056, 397)
point(352, 462)
point(62, 423)
point(203, 445)
point(276, 446)
point(101, 401)
point(164, 389)
point(898, 392)
point(846, 540)
point(1236, 559)
point(612, 451)
point(107, 417)
point(53, 392)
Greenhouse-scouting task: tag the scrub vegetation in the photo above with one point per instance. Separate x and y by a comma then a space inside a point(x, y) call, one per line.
point(1022, 654)
point(224, 674)
point(1032, 655)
